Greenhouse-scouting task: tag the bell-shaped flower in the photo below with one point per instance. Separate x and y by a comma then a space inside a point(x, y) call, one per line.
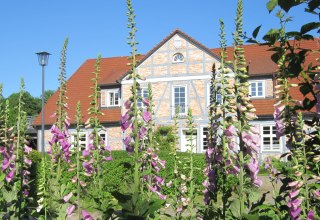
point(10, 176)
point(146, 116)
point(142, 132)
point(86, 215)
point(70, 209)
point(67, 197)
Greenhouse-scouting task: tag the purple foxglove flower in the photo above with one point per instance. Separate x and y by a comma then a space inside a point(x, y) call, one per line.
point(146, 116)
point(146, 101)
point(127, 140)
point(107, 158)
point(230, 131)
point(10, 176)
point(108, 148)
point(317, 193)
point(25, 193)
point(85, 153)
point(124, 118)
point(27, 149)
point(257, 182)
point(294, 213)
point(142, 132)
point(129, 149)
point(2, 149)
point(162, 163)
point(27, 161)
point(158, 179)
point(125, 125)
point(161, 196)
point(153, 189)
point(127, 104)
point(67, 197)
point(5, 164)
point(310, 215)
point(294, 193)
point(294, 204)
point(86, 215)
point(88, 168)
point(70, 209)
point(82, 183)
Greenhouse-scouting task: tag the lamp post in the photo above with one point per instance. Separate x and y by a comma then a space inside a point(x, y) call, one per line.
point(43, 58)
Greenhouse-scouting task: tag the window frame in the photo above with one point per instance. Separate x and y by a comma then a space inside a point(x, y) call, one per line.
point(270, 136)
point(107, 97)
point(173, 100)
point(209, 94)
point(263, 89)
point(177, 61)
point(140, 102)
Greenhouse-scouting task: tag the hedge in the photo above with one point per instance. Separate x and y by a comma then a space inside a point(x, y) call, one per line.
point(117, 172)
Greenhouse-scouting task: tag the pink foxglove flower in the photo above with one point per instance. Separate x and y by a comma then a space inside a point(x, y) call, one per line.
point(70, 209)
point(9, 176)
point(310, 215)
point(67, 197)
point(142, 132)
point(127, 104)
point(86, 215)
point(146, 116)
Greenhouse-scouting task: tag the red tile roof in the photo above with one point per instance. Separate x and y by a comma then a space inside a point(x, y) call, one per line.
point(259, 57)
point(78, 88)
point(113, 69)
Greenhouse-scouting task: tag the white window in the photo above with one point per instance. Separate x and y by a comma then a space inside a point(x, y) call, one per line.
point(269, 138)
point(205, 133)
point(218, 94)
point(82, 140)
point(177, 58)
point(103, 136)
point(110, 97)
point(257, 89)
point(143, 93)
point(180, 99)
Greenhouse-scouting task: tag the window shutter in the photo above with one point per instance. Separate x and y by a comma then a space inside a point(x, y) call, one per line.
point(103, 98)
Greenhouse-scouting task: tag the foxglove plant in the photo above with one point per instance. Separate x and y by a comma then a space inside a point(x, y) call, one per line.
point(301, 135)
point(97, 148)
point(135, 124)
point(97, 152)
point(73, 198)
point(16, 164)
point(220, 152)
point(249, 143)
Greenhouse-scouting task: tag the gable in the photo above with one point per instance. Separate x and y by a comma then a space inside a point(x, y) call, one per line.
point(160, 62)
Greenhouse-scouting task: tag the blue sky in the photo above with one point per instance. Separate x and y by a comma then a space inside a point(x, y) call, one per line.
point(99, 26)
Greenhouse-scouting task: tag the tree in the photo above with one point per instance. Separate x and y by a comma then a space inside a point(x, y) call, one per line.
point(32, 106)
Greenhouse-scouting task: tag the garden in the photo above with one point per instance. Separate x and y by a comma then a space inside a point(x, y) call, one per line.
point(152, 179)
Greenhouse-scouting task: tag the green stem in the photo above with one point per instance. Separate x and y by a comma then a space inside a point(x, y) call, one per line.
point(78, 174)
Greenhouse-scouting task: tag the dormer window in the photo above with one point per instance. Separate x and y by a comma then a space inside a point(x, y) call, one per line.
point(110, 97)
point(257, 89)
point(178, 58)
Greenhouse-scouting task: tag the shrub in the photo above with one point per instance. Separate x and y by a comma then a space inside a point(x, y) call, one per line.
point(165, 138)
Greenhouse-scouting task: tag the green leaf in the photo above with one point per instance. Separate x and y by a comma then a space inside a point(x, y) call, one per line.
point(271, 5)
point(288, 4)
point(235, 208)
point(309, 27)
point(256, 31)
point(254, 196)
point(313, 4)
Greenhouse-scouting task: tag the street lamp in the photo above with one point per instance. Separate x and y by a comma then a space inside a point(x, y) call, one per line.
point(43, 58)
